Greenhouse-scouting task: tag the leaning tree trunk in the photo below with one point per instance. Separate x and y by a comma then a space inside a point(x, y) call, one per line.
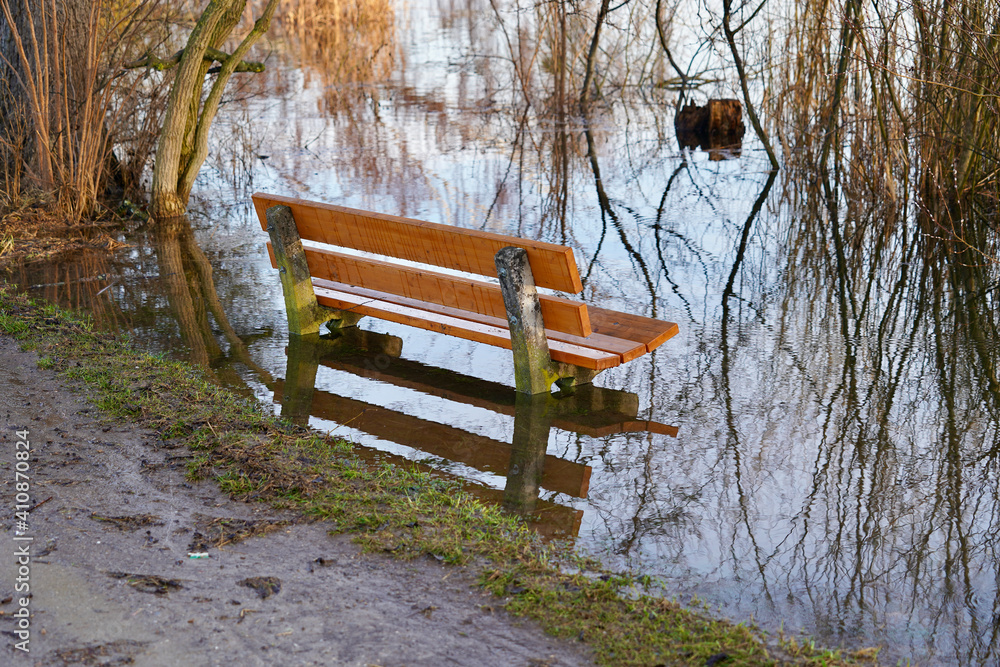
point(602, 14)
point(183, 144)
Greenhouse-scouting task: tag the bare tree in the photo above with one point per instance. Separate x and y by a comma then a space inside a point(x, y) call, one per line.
point(183, 143)
point(727, 13)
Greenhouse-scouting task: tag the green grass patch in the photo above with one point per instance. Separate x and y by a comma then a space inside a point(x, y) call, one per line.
point(255, 456)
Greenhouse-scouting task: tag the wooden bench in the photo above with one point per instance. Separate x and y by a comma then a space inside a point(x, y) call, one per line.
point(554, 340)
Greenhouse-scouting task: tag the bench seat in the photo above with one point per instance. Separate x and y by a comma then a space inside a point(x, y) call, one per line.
point(455, 322)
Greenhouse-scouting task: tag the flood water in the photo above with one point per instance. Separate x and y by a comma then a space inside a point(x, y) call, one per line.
point(818, 448)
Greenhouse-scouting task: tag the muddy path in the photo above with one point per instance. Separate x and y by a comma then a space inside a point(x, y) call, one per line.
point(112, 579)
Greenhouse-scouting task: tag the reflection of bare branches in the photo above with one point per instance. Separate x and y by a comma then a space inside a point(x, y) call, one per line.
point(733, 447)
point(516, 49)
point(81, 282)
point(659, 228)
point(608, 212)
point(727, 291)
point(888, 290)
point(517, 146)
point(190, 287)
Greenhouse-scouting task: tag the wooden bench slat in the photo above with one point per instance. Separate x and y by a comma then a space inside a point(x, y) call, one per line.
point(430, 320)
point(560, 314)
point(469, 250)
point(651, 333)
point(626, 349)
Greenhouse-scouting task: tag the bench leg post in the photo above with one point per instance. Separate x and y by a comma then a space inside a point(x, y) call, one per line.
point(305, 315)
point(532, 364)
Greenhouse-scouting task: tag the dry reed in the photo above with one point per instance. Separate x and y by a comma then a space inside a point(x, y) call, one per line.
point(66, 102)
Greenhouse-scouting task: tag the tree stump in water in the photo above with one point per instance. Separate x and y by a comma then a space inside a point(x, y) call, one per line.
point(718, 124)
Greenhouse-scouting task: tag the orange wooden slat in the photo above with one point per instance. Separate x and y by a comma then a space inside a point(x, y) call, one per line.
point(624, 348)
point(454, 326)
point(560, 314)
point(638, 335)
point(627, 349)
point(469, 250)
point(651, 333)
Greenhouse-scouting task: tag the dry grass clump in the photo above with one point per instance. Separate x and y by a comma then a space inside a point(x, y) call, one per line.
point(892, 100)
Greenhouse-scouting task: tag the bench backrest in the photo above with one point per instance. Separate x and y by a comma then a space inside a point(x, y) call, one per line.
point(471, 251)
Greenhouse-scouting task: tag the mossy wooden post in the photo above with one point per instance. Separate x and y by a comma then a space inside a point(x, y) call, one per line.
point(532, 364)
point(304, 314)
point(527, 457)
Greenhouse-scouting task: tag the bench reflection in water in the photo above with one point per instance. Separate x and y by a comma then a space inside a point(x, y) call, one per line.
point(590, 411)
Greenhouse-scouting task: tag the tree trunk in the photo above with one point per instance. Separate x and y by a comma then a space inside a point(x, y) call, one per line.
point(228, 20)
point(602, 14)
point(188, 82)
point(183, 144)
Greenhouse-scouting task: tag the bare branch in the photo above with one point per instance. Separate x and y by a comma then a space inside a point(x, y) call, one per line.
point(152, 61)
point(741, 71)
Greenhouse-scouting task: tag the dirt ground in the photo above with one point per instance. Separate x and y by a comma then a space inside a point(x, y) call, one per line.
point(112, 581)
